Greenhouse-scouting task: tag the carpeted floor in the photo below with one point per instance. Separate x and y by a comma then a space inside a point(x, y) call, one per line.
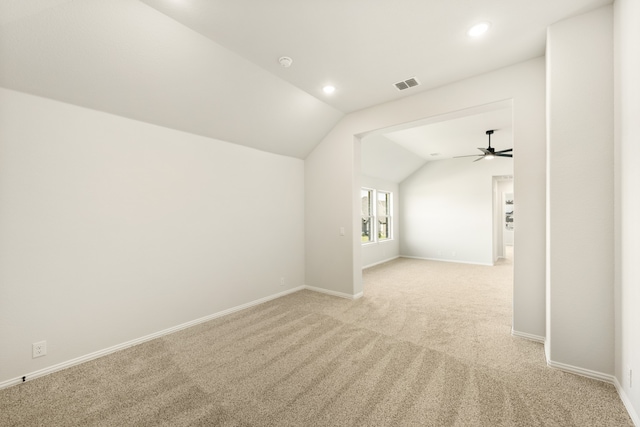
point(428, 345)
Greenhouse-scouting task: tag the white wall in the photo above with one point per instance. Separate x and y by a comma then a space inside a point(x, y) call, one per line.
point(627, 244)
point(113, 229)
point(580, 329)
point(378, 252)
point(332, 178)
point(447, 210)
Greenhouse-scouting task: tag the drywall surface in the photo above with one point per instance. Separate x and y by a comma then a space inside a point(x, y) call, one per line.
point(330, 209)
point(580, 211)
point(447, 210)
point(126, 58)
point(377, 252)
point(113, 229)
point(332, 182)
point(627, 135)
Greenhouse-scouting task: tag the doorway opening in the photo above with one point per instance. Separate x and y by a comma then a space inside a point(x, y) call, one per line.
point(444, 208)
point(503, 218)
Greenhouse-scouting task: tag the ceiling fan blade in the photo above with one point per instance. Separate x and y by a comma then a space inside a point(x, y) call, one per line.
point(504, 151)
point(484, 150)
point(503, 155)
point(481, 158)
point(471, 155)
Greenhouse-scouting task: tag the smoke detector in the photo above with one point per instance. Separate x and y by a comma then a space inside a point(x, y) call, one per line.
point(285, 61)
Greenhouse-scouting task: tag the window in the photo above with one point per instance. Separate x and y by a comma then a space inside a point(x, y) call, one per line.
point(376, 215)
point(384, 215)
point(367, 214)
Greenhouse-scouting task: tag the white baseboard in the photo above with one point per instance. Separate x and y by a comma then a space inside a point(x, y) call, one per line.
point(334, 293)
point(118, 347)
point(381, 262)
point(607, 378)
point(611, 379)
point(526, 336)
point(627, 403)
point(457, 261)
point(82, 359)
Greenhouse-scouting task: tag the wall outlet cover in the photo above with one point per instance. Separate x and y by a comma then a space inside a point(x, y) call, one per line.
point(39, 349)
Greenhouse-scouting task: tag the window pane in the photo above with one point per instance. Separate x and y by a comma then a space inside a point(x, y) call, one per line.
point(366, 230)
point(383, 203)
point(365, 196)
point(383, 228)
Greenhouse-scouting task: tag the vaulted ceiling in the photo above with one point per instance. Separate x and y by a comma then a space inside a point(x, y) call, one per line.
point(210, 67)
point(394, 154)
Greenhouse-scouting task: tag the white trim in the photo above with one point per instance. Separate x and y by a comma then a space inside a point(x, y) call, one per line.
point(82, 359)
point(373, 192)
point(458, 261)
point(530, 337)
point(607, 378)
point(381, 262)
point(131, 343)
point(627, 402)
point(118, 347)
point(334, 293)
point(611, 379)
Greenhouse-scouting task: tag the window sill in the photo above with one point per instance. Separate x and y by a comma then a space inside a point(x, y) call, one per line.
point(377, 242)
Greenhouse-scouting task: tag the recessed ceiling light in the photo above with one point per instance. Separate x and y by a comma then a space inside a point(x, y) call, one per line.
point(329, 89)
point(478, 29)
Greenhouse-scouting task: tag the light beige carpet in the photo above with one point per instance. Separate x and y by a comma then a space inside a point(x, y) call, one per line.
point(428, 345)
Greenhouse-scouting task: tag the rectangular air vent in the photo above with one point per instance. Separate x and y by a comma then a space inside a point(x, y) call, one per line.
point(406, 84)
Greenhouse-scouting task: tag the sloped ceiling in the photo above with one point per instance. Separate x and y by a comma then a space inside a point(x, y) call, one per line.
point(210, 67)
point(364, 46)
point(396, 153)
point(458, 137)
point(125, 58)
point(384, 159)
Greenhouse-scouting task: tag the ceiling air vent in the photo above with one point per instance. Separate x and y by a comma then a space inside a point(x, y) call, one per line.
point(406, 84)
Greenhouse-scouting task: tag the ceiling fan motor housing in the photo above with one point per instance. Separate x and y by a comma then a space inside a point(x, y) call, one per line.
point(490, 152)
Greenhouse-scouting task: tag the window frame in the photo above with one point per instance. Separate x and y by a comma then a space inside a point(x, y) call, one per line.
point(388, 216)
point(370, 217)
point(373, 219)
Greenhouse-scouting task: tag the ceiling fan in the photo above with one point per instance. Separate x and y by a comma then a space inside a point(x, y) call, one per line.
point(489, 152)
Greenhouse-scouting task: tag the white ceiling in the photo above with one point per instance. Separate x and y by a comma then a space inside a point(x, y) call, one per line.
point(384, 159)
point(210, 67)
point(364, 46)
point(458, 137)
point(125, 58)
point(394, 154)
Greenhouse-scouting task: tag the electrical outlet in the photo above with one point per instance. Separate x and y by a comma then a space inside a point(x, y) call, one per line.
point(282, 281)
point(39, 349)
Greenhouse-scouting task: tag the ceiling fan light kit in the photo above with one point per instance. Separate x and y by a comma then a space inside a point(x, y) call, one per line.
point(490, 152)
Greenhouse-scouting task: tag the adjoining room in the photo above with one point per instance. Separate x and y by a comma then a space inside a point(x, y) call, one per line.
point(189, 191)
